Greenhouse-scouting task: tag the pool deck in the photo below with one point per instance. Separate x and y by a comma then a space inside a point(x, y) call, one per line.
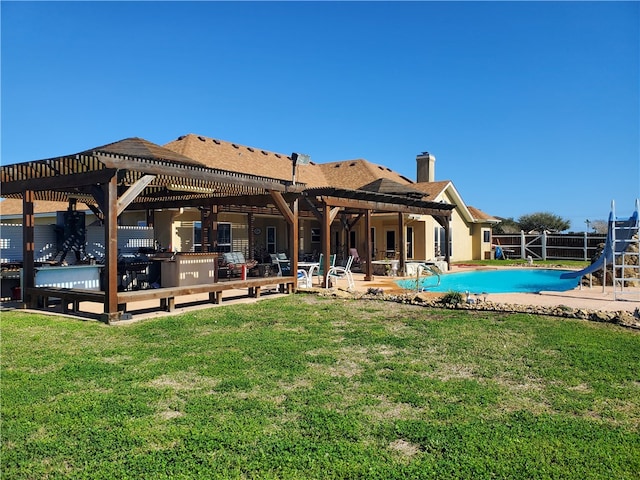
point(589, 298)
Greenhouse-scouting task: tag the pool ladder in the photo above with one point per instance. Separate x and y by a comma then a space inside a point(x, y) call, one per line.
point(432, 270)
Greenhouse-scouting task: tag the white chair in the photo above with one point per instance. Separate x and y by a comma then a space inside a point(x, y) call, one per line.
point(281, 261)
point(342, 272)
point(304, 280)
point(318, 270)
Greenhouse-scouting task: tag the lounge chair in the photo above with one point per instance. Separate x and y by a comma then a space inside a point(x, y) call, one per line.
point(338, 272)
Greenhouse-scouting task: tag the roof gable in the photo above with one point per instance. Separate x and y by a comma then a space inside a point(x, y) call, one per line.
point(354, 174)
point(384, 185)
point(141, 148)
point(433, 189)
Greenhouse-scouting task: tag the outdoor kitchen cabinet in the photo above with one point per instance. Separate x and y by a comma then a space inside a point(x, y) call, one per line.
point(184, 269)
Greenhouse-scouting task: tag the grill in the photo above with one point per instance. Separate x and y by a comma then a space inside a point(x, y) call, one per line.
point(130, 270)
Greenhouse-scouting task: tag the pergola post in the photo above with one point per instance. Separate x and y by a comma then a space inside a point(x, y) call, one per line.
point(403, 243)
point(294, 239)
point(368, 276)
point(447, 240)
point(110, 190)
point(326, 240)
point(28, 247)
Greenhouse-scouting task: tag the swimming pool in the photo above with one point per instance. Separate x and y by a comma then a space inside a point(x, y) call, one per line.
point(521, 280)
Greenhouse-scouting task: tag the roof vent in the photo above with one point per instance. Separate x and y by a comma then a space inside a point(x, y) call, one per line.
point(352, 164)
point(202, 139)
point(217, 142)
point(234, 145)
point(181, 137)
point(250, 149)
point(264, 153)
point(278, 155)
point(337, 165)
point(380, 167)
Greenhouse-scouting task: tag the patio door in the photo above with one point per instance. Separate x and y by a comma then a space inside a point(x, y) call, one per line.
point(391, 243)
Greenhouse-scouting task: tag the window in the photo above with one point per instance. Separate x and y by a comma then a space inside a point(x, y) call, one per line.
point(315, 235)
point(224, 237)
point(271, 240)
point(197, 236)
point(486, 236)
point(438, 235)
point(409, 242)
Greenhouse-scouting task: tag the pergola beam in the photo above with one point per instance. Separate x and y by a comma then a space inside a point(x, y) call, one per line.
point(133, 191)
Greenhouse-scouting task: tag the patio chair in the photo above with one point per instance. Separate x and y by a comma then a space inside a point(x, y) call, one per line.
point(282, 262)
point(357, 261)
point(319, 270)
point(304, 280)
point(342, 272)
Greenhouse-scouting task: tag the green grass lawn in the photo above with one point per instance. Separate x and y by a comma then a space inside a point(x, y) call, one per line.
point(309, 387)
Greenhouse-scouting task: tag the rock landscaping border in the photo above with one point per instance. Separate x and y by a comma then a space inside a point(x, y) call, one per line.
point(620, 317)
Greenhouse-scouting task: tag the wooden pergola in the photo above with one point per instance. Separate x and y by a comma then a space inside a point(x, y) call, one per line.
point(134, 174)
point(131, 174)
point(327, 202)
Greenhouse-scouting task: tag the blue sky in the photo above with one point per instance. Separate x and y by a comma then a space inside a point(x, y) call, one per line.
point(527, 106)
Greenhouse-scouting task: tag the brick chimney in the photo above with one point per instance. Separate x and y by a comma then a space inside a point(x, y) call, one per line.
point(426, 167)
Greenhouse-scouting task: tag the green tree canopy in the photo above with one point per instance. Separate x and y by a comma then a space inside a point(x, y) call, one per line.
point(507, 225)
point(540, 221)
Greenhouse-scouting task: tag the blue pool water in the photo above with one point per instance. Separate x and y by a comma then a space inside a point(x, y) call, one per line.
point(531, 280)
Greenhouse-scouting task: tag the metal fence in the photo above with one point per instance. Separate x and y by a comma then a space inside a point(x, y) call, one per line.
point(549, 246)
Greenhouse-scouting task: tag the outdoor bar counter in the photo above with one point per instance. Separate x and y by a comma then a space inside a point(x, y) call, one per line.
point(86, 277)
point(183, 269)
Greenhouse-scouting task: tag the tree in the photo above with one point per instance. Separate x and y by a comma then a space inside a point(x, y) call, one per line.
point(600, 226)
point(506, 225)
point(541, 221)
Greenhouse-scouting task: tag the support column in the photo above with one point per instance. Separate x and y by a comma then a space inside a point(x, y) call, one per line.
point(326, 240)
point(294, 241)
point(447, 240)
point(403, 243)
point(368, 274)
point(110, 191)
point(28, 247)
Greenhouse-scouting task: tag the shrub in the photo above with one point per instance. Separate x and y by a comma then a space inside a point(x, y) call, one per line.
point(451, 298)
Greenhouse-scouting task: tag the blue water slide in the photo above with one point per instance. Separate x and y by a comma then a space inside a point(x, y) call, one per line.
point(624, 233)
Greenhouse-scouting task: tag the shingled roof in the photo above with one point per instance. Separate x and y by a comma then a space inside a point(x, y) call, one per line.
point(224, 155)
point(384, 185)
point(141, 148)
point(355, 174)
point(432, 189)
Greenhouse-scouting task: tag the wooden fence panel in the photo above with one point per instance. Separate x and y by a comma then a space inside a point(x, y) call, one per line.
point(550, 246)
